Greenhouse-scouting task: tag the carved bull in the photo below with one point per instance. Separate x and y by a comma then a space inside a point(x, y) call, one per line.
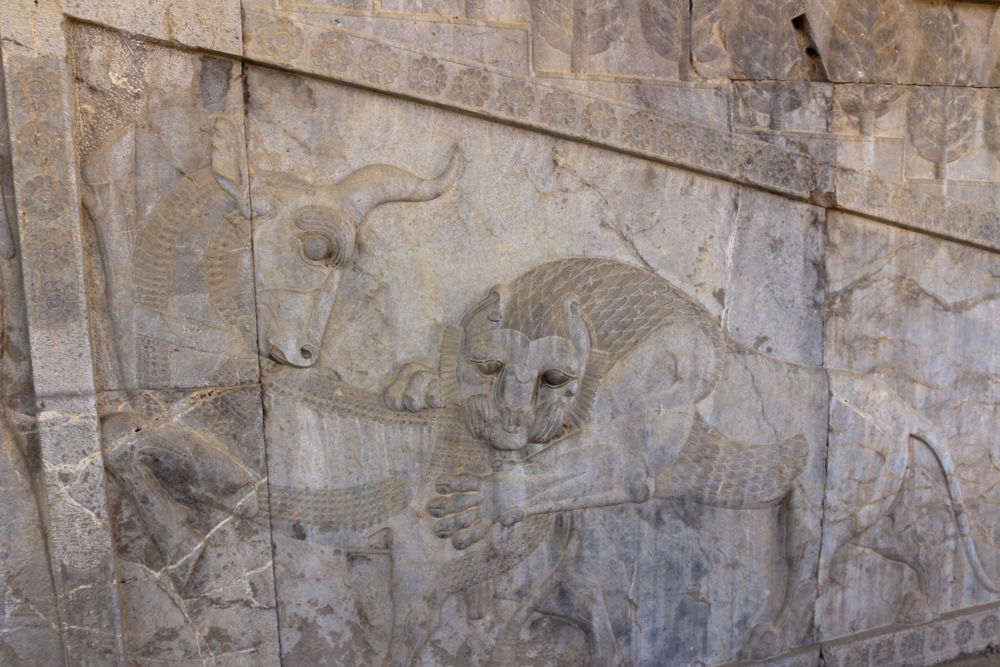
point(597, 383)
point(305, 236)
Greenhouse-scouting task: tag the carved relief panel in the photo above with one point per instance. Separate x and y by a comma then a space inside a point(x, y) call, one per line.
point(360, 508)
point(160, 134)
point(446, 333)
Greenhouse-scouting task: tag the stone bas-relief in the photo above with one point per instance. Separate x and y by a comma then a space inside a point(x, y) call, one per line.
point(687, 419)
point(475, 333)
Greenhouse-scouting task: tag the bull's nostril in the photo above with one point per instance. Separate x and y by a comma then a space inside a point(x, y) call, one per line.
point(306, 353)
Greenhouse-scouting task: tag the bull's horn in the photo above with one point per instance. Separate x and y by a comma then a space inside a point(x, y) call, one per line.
point(378, 184)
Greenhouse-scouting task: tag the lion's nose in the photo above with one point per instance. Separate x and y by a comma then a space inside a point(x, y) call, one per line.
point(512, 420)
point(512, 392)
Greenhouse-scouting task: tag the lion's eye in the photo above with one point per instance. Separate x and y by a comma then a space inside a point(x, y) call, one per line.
point(556, 378)
point(316, 247)
point(487, 366)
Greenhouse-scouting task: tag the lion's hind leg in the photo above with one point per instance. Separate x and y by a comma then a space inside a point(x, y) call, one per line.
point(910, 534)
point(716, 470)
point(869, 461)
point(793, 623)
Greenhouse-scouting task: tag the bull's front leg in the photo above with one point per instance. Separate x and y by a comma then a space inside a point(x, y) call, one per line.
point(563, 479)
point(134, 446)
point(171, 526)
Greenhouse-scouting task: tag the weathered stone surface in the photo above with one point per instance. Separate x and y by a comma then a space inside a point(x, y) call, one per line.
point(469, 332)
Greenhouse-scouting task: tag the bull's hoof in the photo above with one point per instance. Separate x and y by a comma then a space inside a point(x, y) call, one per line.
point(247, 508)
point(183, 557)
point(764, 642)
point(407, 639)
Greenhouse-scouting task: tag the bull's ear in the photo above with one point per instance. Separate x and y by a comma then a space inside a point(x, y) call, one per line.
point(229, 162)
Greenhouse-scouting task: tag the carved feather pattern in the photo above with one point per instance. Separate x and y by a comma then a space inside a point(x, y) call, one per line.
point(588, 26)
point(663, 25)
point(864, 44)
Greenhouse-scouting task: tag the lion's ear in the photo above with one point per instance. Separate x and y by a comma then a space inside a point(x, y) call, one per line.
point(487, 314)
point(579, 411)
point(484, 315)
point(576, 325)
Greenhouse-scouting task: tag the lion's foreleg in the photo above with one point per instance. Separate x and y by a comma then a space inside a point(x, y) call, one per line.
point(574, 479)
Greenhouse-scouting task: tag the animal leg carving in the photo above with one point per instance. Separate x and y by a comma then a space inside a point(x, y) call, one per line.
point(896, 537)
point(169, 524)
point(411, 632)
point(794, 621)
point(135, 449)
point(906, 549)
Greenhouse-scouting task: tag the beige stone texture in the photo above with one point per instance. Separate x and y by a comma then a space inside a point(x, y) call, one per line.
point(461, 333)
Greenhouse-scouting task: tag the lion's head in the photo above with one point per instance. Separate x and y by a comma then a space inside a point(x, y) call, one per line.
point(527, 360)
point(520, 374)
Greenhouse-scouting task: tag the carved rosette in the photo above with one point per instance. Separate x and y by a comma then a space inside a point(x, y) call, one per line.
point(639, 130)
point(42, 143)
point(90, 616)
point(427, 76)
point(563, 110)
point(50, 251)
point(332, 52)
point(367, 60)
point(516, 98)
point(599, 120)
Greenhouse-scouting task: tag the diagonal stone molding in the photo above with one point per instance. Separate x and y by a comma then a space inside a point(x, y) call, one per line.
point(289, 41)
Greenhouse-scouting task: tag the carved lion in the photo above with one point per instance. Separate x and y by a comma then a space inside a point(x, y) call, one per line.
point(596, 383)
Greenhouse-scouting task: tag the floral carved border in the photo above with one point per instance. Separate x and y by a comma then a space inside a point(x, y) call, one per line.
point(39, 140)
point(965, 631)
point(48, 221)
point(273, 38)
point(286, 41)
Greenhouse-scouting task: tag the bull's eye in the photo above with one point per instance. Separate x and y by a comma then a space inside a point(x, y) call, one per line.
point(316, 247)
point(556, 378)
point(487, 366)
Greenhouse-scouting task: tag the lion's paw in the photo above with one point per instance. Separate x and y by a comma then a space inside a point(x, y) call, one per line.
point(764, 641)
point(914, 609)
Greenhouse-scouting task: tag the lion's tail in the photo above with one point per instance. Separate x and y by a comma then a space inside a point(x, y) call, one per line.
point(937, 444)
